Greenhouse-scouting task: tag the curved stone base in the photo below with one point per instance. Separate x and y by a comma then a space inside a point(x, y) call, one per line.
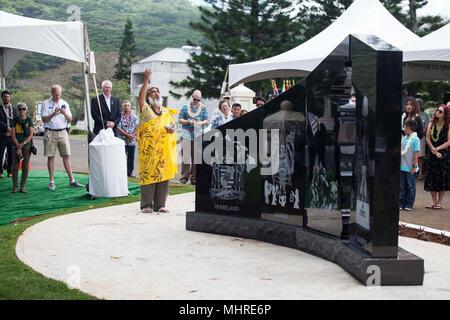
point(407, 269)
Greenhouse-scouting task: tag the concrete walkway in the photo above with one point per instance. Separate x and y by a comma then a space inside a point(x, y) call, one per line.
point(119, 253)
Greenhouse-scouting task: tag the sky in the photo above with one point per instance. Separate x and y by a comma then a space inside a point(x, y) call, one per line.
point(434, 7)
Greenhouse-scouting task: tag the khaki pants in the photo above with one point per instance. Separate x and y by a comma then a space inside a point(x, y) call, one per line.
point(187, 169)
point(56, 139)
point(154, 195)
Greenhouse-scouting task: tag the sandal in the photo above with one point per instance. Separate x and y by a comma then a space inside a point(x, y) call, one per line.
point(163, 210)
point(147, 210)
point(437, 207)
point(430, 206)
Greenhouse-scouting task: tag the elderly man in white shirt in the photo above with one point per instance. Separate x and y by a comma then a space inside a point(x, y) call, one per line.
point(56, 116)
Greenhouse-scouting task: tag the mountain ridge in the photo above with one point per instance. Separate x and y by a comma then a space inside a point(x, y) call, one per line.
point(157, 24)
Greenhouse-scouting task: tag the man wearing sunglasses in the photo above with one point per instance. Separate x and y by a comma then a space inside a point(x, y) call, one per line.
point(193, 119)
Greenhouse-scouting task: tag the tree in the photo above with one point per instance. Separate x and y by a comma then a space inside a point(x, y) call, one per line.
point(396, 9)
point(237, 31)
point(413, 6)
point(428, 24)
point(319, 16)
point(126, 53)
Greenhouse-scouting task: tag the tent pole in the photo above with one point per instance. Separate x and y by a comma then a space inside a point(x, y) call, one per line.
point(87, 103)
point(88, 50)
point(87, 106)
point(2, 70)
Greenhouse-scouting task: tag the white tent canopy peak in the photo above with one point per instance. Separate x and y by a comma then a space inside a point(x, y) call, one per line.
point(362, 17)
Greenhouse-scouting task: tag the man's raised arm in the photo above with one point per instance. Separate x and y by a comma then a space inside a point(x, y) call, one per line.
point(143, 91)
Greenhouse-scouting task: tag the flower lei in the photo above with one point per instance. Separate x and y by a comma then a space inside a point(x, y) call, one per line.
point(193, 115)
point(408, 144)
point(433, 129)
point(127, 120)
point(10, 115)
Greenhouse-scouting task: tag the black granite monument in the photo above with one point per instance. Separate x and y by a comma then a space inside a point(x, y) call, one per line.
point(315, 171)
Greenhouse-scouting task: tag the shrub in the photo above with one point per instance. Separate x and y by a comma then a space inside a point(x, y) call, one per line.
point(78, 131)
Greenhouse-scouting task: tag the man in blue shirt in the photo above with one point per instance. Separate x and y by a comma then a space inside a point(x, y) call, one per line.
point(408, 166)
point(193, 119)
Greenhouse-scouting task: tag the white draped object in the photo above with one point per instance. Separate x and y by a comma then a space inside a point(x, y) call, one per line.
point(107, 166)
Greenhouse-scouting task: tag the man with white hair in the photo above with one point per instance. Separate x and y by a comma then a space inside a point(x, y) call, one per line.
point(109, 114)
point(56, 115)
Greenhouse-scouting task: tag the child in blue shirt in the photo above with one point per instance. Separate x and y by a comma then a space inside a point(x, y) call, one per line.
point(408, 167)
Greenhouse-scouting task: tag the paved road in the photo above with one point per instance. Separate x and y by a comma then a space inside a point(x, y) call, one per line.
point(79, 157)
point(119, 253)
point(439, 219)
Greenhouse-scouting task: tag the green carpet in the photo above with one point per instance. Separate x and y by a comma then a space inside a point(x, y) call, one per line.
point(39, 199)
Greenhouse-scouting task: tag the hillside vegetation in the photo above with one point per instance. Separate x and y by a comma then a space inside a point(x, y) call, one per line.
point(157, 24)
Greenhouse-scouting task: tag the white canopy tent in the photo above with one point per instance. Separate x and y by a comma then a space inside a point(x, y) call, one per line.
point(428, 58)
point(21, 35)
point(362, 17)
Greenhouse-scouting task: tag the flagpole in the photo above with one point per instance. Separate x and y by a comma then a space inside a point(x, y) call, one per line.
point(87, 105)
point(93, 78)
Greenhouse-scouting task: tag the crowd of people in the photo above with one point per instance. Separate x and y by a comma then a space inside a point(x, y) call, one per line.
point(424, 152)
point(16, 137)
point(152, 130)
point(424, 146)
point(193, 119)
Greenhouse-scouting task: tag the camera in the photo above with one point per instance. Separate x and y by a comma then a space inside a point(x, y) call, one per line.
point(20, 157)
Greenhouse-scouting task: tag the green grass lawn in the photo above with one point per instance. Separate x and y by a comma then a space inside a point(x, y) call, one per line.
point(39, 200)
point(19, 282)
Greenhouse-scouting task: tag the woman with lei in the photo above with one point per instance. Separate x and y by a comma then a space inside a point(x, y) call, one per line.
point(438, 139)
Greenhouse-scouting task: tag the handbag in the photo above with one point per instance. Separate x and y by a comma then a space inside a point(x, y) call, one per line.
point(33, 148)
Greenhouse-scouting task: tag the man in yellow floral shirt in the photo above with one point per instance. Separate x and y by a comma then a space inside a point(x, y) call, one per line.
point(157, 148)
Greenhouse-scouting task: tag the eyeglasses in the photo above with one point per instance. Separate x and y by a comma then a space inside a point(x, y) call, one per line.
point(259, 104)
point(21, 109)
point(439, 110)
point(197, 100)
